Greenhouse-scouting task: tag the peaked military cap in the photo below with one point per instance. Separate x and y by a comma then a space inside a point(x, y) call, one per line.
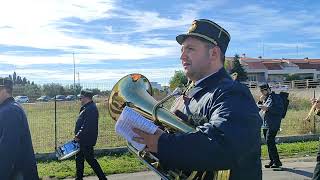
point(209, 31)
point(6, 82)
point(264, 86)
point(86, 93)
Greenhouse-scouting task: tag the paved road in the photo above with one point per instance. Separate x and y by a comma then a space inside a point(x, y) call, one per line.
point(293, 169)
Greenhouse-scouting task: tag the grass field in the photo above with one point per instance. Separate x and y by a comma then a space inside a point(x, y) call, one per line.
point(41, 118)
point(114, 164)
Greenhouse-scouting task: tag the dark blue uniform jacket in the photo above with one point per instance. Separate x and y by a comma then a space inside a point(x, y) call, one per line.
point(273, 115)
point(16, 151)
point(229, 134)
point(87, 124)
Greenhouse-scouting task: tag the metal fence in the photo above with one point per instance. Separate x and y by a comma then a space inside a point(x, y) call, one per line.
point(295, 84)
point(52, 123)
point(52, 120)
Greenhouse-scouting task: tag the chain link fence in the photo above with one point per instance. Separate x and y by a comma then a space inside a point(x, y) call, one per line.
point(52, 121)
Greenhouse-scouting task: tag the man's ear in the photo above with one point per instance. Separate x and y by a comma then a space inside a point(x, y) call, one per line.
point(215, 52)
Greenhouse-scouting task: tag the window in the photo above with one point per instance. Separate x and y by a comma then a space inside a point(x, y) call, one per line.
point(252, 77)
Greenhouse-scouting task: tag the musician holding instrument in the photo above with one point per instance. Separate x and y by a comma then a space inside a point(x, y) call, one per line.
point(272, 107)
point(316, 173)
point(17, 159)
point(86, 133)
point(223, 111)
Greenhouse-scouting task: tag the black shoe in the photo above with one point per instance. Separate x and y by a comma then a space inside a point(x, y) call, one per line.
point(276, 165)
point(269, 165)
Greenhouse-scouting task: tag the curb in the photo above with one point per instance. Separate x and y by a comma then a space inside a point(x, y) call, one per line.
point(297, 159)
point(97, 152)
point(122, 150)
point(295, 138)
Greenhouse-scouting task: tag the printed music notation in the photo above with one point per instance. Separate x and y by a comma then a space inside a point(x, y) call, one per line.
point(130, 119)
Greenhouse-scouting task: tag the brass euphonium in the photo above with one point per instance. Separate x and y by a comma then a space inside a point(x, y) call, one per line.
point(135, 91)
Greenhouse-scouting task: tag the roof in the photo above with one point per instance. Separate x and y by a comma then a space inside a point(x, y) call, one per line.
point(273, 66)
point(308, 66)
point(255, 65)
point(278, 64)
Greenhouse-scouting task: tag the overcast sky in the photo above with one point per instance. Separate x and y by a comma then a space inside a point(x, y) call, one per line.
point(112, 38)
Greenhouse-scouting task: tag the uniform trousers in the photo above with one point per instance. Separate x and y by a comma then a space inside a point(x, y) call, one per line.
point(270, 136)
point(86, 153)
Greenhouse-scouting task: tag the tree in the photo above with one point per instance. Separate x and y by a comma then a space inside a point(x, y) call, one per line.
point(24, 81)
point(238, 68)
point(179, 79)
point(14, 77)
point(69, 89)
point(227, 64)
point(53, 89)
point(19, 80)
point(32, 91)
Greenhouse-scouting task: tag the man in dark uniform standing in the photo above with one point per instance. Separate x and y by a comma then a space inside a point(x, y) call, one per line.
point(272, 107)
point(223, 111)
point(86, 133)
point(17, 159)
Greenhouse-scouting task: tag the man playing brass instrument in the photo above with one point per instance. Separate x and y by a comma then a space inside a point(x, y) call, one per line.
point(222, 110)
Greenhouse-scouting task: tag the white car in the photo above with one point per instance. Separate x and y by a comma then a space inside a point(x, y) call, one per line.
point(22, 99)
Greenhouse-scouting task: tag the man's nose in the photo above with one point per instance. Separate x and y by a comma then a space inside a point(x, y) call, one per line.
point(183, 55)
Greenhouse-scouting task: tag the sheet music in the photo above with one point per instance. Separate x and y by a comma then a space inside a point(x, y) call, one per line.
point(130, 119)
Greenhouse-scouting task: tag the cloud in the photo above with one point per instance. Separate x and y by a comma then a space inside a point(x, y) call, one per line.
point(281, 46)
point(260, 22)
point(64, 74)
point(27, 14)
point(54, 29)
point(43, 20)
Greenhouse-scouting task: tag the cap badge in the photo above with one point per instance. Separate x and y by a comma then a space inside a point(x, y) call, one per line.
point(192, 27)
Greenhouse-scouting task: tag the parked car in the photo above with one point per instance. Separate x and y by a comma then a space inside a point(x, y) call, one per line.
point(22, 99)
point(44, 98)
point(98, 98)
point(71, 98)
point(59, 98)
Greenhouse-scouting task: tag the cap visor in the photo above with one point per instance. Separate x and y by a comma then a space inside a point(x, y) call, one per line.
point(180, 38)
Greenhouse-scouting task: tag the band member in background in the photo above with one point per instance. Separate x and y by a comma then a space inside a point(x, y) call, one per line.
point(17, 159)
point(86, 133)
point(273, 109)
point(316, 173)
point(223, 111)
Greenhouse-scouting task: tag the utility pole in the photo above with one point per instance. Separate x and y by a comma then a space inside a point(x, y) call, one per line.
point(78, 78)
point(262, 49)
point(74, 73)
